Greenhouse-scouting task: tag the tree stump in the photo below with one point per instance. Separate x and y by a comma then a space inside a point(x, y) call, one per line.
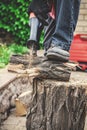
point(58, 105)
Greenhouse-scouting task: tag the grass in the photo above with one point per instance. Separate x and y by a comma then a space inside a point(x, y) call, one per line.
point(7, 51)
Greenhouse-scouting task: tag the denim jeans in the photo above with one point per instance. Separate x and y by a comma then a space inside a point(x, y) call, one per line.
point(60, 31)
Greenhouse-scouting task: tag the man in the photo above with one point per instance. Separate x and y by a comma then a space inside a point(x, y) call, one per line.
point(59, 31)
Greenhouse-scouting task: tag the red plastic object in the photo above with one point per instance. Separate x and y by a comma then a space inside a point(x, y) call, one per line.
point(78, 50)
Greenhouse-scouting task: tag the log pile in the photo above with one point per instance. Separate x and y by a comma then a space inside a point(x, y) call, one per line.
point(41, 67)
point(14, 90)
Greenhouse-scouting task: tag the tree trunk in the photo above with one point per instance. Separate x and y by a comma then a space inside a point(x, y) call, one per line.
point(57, 106)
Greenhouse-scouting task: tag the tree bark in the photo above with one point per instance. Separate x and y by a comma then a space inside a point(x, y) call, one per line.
point(57, 106)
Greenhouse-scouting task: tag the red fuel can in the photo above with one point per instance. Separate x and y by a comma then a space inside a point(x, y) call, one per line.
point(78, 50)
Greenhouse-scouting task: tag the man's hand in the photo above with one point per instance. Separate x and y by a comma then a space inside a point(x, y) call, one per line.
point(40, 9)
point(32, 15)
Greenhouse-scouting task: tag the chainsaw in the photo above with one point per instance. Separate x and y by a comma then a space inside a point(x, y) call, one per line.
point(33, 40)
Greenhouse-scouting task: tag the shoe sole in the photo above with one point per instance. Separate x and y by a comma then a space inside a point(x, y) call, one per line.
point(56, 56)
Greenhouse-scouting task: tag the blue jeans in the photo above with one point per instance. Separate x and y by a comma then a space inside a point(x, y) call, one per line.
point(60, 31)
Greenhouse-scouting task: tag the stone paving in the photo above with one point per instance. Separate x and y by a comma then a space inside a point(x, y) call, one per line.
point(14, 123)
point(6, 77)
point(19, 123)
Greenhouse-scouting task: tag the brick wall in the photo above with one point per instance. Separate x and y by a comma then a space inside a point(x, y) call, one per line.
point(82, 21)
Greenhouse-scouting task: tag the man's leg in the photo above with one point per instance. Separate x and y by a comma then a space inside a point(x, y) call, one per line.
point(76, 12)
point(48, 32)
point(66, 19)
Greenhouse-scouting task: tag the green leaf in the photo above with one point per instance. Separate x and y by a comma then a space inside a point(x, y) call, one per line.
point(14, 19)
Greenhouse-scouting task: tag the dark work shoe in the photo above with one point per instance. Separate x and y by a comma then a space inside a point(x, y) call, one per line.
point(56, 53)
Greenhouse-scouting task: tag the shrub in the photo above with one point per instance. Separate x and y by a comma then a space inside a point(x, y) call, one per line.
point(14, 19)
point(7, 51)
